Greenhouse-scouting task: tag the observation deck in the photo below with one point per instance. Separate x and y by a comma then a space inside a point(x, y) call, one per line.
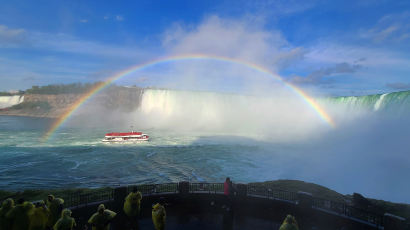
point(203, 206)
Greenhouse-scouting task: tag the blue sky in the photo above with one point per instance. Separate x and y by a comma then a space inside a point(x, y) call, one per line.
point(331, 47)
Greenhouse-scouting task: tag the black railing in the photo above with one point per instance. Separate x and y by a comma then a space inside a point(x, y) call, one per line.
point(150, 189)
point(74, 200)
point(271, 193)
point(343, 209)
point(210, 188)
point(84, 199)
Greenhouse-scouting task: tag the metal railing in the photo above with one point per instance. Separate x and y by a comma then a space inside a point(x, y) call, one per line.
point(150, 189)
point(209, 188)
point(83, 199)
point(270, 192)
point(343, 209)
point(253, 190)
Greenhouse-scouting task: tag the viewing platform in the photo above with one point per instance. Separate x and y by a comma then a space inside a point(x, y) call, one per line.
point(204, 206)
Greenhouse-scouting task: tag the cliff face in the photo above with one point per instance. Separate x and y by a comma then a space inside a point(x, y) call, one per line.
point(39, 105)
point(53, 106)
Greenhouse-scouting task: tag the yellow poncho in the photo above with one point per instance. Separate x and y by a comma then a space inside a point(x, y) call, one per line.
point(99, 220)
point(132, 204)
point(289, 223)
point(5, 208)
point(55, 210)
point(159, 216)
point(66, 222)
point(39, 218)
point(19, 216)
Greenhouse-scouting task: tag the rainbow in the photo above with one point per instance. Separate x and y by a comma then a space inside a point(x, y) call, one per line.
point(98, 87)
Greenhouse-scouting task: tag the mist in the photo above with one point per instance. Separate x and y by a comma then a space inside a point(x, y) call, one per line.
point(367, 151)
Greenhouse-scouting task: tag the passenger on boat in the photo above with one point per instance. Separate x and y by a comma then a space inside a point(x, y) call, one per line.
point(55, 205)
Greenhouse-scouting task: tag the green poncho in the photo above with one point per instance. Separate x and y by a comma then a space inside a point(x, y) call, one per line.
point(289, 223)
point(132, 204)
point(19, 216)
point(101, 219)
point(38, 218)
point(55, 206)
point(159, 216)
point(66, 222)
point(5, 208)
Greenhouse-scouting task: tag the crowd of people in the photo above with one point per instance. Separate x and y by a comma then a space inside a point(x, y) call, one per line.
point(51, 215)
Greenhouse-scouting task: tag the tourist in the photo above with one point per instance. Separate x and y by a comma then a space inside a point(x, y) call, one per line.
point(7, 205)
point(132, 207)
point(159, 216)
point(39, 216)
point(227, 186)
point(102, 218)
point(19, 215)
point(289, 223)
point(55, 205)
point(66, 222)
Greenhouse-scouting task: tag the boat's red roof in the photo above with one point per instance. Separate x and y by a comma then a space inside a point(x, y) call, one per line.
point(123, 134)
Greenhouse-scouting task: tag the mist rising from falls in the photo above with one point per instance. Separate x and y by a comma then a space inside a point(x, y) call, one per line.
point(278, 118)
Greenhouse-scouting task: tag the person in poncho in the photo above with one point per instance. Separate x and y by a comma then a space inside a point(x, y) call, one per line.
point(66, 222)
point(102, 218)
point(159, 216)
point(55, 205)
point(289, 223)
point(39, 216)
point(7, 205)
point(19, 215)
point(132, 207)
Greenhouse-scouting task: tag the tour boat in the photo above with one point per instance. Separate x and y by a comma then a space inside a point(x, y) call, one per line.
point(125, 137)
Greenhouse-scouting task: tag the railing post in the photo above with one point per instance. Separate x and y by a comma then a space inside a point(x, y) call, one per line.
point(305, 200)
point(392, 222)
point(183, 187)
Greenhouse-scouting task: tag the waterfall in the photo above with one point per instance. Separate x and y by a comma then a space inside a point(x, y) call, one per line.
point(8, 101)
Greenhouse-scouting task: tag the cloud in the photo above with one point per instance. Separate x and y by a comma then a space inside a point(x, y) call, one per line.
point(398, 85)
point(106, 17)
point(232, 38)
point(391, 27)
point(119, 18)
point(10, 37)
point(83, 20)
point(319, 76)
point(243, 39)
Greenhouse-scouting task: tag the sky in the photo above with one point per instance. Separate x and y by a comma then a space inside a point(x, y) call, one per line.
point(332, 47)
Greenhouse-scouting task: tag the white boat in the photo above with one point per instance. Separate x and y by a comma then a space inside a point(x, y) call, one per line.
point(126, 137)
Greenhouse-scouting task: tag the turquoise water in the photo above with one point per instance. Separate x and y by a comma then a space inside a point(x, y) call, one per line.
point(367, 153)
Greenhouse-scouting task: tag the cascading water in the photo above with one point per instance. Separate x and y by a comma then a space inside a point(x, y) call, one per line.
point(227, 114)
point(397, 101)
point(8, 101)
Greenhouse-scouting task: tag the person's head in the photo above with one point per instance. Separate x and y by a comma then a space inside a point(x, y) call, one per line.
point(8, 203)
point(66, 212)
point(20, 201)
point(101, 208)
point(39, 204)
point(135, 189)
point(228, 179)
point(50, 197)
point(290, 219)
